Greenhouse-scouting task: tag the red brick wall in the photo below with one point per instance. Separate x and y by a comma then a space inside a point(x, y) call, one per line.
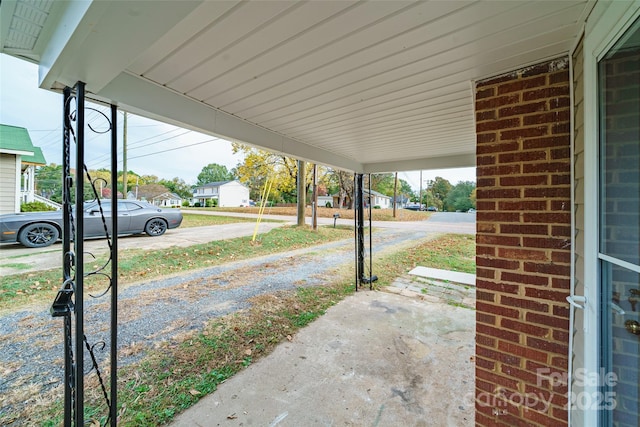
point(523, 246)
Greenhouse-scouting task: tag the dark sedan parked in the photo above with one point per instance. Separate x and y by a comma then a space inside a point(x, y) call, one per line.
point(40, 229)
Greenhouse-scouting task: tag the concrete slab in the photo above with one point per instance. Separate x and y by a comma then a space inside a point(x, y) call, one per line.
point(446, 275)
point(374, 359)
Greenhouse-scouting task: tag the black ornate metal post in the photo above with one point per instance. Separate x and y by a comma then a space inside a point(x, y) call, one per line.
point(66, 306)
point(70, 300)
point(113, 409)
point(78, 243)
point(359, 215)
point(359, 232)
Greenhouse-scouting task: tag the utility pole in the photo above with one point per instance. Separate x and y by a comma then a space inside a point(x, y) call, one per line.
point(301, 192)
point(124, 157)
point(314, 201)
point(420, 201)
point(395, 196)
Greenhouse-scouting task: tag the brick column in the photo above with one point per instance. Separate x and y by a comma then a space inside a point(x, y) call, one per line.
point(523, 246)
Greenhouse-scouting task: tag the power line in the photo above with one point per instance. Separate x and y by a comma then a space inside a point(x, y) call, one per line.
point(106, 156)
point(176, 148)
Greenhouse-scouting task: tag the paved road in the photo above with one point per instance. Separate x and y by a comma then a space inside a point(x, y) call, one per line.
point(18, 259)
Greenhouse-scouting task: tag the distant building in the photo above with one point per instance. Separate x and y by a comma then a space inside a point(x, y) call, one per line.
point(227, 194)
point(18, 162)
point(167, 200)
point(377, 199)
point(323, 200)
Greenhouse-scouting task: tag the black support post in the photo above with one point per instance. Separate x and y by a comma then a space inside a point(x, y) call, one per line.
point(69, 302)
point(361, 277)
point(78, 244)
point(113, 409)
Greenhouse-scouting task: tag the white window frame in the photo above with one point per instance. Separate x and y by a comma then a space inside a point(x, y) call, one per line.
point(607, 22)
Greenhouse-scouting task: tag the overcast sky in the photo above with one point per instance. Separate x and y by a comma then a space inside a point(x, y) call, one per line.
point(154, 148)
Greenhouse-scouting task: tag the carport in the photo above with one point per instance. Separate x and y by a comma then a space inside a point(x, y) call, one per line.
point(390, 86)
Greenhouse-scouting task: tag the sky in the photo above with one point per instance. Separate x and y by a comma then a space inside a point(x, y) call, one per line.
point(153, 148)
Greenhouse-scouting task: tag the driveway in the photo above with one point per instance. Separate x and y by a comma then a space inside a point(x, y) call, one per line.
point(15, 258)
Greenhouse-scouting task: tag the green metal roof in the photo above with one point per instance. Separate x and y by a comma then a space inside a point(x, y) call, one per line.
point(16, 139)
point(36, 159)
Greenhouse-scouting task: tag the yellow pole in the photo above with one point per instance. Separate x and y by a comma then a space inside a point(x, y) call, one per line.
point(263, 203)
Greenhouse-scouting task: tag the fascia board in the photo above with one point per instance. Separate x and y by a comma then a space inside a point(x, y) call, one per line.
point(426, 163)
point(66, 36)
point(16, 152)
point(95, 41)
point(148, 99)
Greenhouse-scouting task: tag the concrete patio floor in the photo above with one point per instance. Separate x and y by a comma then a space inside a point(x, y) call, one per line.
point(400, 357)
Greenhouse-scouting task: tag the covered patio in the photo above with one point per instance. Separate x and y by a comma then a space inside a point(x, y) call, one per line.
point(385, 86)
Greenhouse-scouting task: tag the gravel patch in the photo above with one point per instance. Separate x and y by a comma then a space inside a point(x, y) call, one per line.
point(160, 311)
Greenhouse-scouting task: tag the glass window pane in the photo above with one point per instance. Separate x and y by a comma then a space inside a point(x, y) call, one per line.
point(621, 311)
point(619, 74)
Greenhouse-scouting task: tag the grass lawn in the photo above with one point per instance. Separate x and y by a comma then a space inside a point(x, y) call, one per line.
point(134, 265)
point(377, 214)
point(190, 220)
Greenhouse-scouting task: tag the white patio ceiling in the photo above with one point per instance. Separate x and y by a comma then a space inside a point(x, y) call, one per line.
point(376, 86)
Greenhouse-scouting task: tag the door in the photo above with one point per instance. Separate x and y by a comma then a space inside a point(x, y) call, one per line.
point(97, 219)
point(619, 240)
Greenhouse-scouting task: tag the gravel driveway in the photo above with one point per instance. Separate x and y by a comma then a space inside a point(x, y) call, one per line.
point(31, 352)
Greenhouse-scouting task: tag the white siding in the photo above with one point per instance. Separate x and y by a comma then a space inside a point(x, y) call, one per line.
point(577, 359)
point(9, 177)
point(233, 194)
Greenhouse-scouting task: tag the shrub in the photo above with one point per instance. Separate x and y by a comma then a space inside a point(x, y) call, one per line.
point(196, 205)
point(328, 205)
point(377, 207)
point(35, 207)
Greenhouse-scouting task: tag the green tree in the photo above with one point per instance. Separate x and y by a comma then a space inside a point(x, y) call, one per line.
point(260, 165)
point(459, 197)
point(439, 189)
point(48, 182)
point(341, 183)
point(214, 172)
point(385, 183)
point(178, 186)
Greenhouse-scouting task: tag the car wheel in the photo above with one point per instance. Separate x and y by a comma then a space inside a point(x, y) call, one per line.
point(155, 227)
point(38, 235)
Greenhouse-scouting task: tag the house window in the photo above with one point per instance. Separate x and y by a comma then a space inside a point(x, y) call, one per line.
point(619, 240)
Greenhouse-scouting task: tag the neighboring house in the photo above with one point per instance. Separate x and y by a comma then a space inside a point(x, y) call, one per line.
point(401, 201)
point(18, 162)
point(377, 199)
point(167, 200)
point(227, 193)
point(323, 200)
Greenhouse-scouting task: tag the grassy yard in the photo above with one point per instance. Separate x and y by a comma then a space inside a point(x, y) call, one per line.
point(135, 265)
point(376, 214)
point(194, 220)
point(173, 377)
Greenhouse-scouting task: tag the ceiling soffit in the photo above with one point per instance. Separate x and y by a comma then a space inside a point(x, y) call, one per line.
point(368, 86)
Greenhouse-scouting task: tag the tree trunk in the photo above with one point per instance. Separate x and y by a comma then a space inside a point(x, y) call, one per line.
point(301, 192)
